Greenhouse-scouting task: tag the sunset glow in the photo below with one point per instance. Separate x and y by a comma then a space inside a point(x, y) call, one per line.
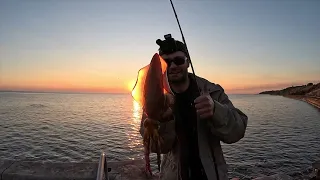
point(131, 85)
point(99, 46)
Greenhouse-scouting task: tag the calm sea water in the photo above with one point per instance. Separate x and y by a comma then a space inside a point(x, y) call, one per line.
point(283, 135)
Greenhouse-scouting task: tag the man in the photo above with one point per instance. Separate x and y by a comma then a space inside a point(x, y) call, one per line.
point(191, 141)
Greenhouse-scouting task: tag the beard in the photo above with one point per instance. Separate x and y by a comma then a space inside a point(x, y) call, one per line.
point(177, 76)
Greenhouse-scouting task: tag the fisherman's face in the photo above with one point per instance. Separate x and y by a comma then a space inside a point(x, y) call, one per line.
point(177, 66)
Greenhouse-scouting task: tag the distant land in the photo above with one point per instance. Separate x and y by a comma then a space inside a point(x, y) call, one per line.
point(309, 89)
point(309, 93)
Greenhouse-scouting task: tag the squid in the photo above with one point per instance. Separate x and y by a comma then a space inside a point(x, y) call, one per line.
point(151, 134)
point(153, 94)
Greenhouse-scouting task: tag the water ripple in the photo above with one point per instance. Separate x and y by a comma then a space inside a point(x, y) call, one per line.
point(282, 134)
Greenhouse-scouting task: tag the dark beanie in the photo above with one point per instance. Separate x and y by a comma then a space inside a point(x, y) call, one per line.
point(170, 46)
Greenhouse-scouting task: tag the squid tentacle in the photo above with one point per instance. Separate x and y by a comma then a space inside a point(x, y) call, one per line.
point(151, 136)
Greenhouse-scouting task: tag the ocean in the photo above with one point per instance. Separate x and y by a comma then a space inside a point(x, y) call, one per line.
point(283, 135)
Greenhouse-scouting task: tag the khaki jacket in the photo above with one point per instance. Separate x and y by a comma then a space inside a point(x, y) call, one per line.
point(227, 125)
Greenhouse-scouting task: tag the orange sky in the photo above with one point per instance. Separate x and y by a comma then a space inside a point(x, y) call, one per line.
point(70, 85)
point(99, 46)
point(118, 86)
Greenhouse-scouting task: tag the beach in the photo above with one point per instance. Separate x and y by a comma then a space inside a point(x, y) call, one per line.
point(309, 93)
point(314, 101)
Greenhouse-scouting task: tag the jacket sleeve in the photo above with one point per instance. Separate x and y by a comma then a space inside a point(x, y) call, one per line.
point(228, 122)
point(167, 134)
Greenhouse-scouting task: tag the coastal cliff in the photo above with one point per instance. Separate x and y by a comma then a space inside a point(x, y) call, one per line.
point(304, 90)
point(309, 93)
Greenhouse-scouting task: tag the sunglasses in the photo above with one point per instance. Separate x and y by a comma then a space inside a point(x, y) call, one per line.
point(177, 61)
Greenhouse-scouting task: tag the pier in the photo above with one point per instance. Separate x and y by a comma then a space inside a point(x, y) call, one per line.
point(118, 170)
point(29, 170)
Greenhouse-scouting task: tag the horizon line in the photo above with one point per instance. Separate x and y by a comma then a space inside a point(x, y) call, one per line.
point(62, 92)
point(92, 91)
point(81, 92)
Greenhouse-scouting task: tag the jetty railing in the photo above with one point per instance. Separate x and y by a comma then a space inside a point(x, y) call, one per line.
point(102, 172)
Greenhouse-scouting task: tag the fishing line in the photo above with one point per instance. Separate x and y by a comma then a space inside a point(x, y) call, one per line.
point(184, 41)
point(194, 75)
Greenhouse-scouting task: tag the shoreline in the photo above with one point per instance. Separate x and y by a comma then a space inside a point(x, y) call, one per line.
point(314, 101)
point(309, 93)
point(117, 170)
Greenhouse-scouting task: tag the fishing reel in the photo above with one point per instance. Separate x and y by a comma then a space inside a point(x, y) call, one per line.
point(169, 45)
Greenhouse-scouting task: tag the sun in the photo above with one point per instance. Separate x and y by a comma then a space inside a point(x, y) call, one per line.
point(131, 84)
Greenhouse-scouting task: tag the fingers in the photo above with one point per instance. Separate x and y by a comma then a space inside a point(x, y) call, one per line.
point(202, 104)
point(167, 113)
point(150, 122)
point(204, 111)
point(205, 89)
point(206, 115)
point(204, 95)
point(200, 99)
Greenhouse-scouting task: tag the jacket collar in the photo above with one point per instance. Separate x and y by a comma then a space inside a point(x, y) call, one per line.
point(211, 87)
point(202, 83)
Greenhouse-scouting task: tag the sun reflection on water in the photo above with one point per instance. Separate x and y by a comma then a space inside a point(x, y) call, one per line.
point(134, 137)
point(136, 112)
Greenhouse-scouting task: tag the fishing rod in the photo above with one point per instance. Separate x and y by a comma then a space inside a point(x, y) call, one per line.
point(184, 41)
point(194, 75)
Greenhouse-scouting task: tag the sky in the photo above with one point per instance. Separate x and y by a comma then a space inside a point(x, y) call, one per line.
point(99, 45)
